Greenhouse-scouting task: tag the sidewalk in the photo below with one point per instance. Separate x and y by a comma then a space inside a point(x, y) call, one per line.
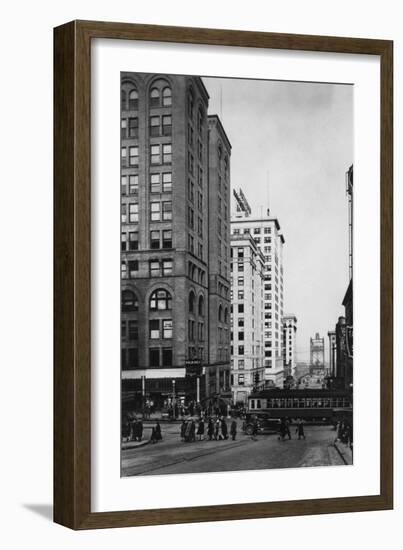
point(345, 452)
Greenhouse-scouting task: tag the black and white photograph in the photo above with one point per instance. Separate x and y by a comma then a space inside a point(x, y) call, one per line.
point(236, 274)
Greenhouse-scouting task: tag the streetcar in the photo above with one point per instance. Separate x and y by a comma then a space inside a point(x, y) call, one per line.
point(311, 405)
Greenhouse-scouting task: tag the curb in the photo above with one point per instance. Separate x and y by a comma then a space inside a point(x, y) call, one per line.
point(139, 444)
point(341, 454)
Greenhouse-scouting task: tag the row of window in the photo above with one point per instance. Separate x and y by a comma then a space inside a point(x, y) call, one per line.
point(195, 273)
point(157, 268)
point(157, 98)
point(159, 183)
point(195, 247)
point(300, 403)
point(160, 300)
point(256, 230)
point(159, 211)
point(159, 154)
point(192, 331)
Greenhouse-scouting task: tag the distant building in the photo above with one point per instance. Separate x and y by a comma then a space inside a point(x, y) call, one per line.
point(247, 348)
point(317, 355)
point(289, 344)
point(266, 233)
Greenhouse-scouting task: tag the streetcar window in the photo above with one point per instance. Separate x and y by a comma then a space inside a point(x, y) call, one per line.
point(258, 404)
point(252, 403)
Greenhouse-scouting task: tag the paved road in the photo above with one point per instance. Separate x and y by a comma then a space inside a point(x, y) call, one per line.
point(172, 456)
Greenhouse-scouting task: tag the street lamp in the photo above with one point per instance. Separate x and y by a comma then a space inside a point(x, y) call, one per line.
point(173, 398)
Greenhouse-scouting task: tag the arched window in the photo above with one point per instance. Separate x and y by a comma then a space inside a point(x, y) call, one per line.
point(123, 100)
point(220, 313)
point(154, 97)
point(167, 97)
point(226, 315)
point(201, 305)
point(160, 300)
point(129, 301)
point(133, 99)
point(191, 301)
point(219, 152)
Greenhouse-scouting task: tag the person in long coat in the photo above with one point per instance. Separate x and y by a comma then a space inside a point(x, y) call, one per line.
point(224, 428)
point(210, 429)
point(158, 433)
point(200, 429)
point(233, 429)
point(300, 429)
point(283, 429)
point(183, 430)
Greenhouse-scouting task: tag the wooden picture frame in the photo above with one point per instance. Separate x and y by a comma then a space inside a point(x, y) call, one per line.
point(72, 270)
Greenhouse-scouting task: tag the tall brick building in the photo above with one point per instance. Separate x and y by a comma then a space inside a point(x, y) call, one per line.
point(165, 259)
point(219, 260)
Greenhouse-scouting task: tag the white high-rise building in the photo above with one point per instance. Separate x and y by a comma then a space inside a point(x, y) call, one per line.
point(266, 233)
point(247, 321)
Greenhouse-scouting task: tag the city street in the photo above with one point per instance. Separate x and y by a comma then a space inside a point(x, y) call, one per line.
point(172, 456)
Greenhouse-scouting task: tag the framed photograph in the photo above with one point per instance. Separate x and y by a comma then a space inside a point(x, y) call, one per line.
point(223, 319)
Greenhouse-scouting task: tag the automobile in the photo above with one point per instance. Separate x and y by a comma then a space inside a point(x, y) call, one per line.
point(265, 424)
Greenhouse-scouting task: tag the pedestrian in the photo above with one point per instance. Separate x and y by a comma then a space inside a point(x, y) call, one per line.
point(300, 429)
point(192, 435)
point(183, 430)
point(287, 429)
point(233, 429)
point(283, 430)
point(200, 429)
point(126, 430)
point(255, 427)
point(224, 428)
point(191, 408)
point(217, 430)
point(158, 433)
point(210, 429)
point(139, 430)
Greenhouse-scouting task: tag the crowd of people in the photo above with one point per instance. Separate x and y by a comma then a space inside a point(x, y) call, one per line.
point(132, 429)
point(285, 431)
point(208, 428)
point(180, 410)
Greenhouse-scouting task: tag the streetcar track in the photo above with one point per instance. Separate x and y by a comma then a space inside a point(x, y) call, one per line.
point(189, 459)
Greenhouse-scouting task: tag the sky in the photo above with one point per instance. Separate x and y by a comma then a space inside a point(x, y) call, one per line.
point(292, 143)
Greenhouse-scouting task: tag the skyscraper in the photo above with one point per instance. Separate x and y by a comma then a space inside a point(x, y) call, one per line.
point(266, 233)
point(247, 282)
